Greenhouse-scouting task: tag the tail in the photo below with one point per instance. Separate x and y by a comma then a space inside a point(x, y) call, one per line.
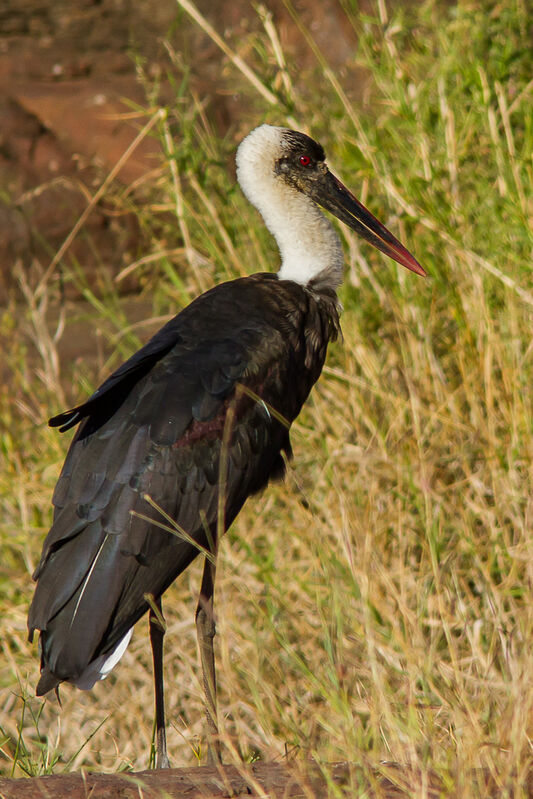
point(47, 682)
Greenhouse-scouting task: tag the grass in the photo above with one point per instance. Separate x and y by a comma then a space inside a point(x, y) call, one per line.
point(376, 606)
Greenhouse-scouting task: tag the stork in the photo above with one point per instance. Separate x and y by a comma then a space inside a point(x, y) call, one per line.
point(170, 446)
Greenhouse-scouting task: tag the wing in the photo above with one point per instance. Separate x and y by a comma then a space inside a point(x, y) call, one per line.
point(115, 389)
point(149, 450)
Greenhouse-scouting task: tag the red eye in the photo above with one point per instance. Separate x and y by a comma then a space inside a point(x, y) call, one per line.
point(305, 160)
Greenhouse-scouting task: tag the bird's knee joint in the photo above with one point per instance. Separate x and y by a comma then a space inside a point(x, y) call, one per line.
point(206, 623)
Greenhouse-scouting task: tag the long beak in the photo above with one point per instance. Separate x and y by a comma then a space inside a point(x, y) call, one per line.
point(332, 195)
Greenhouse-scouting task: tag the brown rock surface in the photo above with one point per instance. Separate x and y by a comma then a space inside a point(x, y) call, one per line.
point(66, 75)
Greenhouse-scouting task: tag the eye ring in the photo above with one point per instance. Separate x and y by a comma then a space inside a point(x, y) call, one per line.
point(305, 160)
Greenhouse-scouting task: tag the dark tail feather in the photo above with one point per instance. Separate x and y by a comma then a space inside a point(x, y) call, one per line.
point(47, 682)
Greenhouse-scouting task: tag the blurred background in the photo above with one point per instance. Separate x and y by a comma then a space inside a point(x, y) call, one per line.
point(376, 606)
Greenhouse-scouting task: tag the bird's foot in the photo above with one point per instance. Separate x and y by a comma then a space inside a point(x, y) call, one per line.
point(162, 760)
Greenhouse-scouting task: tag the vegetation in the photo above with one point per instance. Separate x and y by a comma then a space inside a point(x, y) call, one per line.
point(377, 605)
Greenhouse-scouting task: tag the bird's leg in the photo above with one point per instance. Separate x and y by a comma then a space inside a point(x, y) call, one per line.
point(157, 633)
point(205, 631)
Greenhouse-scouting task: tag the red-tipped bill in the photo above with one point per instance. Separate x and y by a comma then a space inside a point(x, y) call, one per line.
point(332, 195)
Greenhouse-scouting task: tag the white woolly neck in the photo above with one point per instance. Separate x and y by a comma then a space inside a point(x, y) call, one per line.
point(307, 241)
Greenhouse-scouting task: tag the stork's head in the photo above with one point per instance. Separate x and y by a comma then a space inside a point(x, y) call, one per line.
point(275, 164)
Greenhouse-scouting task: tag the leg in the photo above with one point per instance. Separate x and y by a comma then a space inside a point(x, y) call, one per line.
point(157, 633)
point(205, 631)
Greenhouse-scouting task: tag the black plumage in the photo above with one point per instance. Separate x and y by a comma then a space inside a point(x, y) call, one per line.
point(155, 428)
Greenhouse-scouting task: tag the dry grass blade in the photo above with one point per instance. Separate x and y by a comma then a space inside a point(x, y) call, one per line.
point(235, 58)
point(159, 114)
point(387, 615)
point(171, 526)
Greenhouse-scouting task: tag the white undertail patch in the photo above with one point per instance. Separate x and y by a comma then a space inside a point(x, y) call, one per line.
point(99, 668)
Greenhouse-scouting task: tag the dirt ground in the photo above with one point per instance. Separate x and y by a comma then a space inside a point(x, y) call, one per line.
point(67, 74)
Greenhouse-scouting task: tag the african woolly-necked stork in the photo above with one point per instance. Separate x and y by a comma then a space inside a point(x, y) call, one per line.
point(174, 441)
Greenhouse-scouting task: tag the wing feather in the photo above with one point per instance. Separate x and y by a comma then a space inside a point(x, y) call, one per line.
point(149, 449)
